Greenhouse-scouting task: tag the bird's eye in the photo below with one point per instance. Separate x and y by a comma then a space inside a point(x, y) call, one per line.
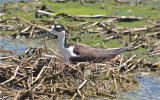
point(58, 29)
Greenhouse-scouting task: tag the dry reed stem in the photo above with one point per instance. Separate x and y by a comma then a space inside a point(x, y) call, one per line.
point(80, 86)
point(12, 78)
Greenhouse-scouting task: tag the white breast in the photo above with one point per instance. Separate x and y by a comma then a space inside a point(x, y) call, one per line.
point(67, 53)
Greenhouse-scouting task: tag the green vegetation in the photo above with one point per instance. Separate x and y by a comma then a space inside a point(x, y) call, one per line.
point(149, 10)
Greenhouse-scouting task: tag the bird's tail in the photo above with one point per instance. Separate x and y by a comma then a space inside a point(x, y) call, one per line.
point(124, 49)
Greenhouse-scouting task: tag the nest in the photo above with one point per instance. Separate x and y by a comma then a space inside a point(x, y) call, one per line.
point(36, 75)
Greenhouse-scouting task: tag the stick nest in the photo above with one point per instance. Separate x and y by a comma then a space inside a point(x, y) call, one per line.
point(36, 75)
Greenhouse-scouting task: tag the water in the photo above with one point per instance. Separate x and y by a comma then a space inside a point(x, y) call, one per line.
point(149, 89)
point(21, 44)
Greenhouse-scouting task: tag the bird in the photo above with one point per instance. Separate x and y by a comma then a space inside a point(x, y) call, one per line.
point(75, 52)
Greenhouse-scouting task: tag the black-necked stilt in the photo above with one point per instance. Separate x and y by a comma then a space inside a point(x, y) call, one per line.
point(82, 52)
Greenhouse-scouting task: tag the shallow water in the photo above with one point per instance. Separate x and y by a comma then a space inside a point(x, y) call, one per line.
point(149, 89)
point(21, 44)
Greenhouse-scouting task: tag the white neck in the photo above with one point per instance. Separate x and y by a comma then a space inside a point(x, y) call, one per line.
point(66, 52)
point(61, 40)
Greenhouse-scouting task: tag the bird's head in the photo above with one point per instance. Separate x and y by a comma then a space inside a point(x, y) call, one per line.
point(58, 29)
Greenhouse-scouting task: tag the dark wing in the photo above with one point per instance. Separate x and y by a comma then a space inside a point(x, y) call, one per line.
point(89, 53)
point(112, 52)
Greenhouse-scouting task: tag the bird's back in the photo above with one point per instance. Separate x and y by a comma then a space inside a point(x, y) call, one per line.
point(89, 53)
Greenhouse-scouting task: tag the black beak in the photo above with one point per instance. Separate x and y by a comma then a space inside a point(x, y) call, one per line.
point(46, 34)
